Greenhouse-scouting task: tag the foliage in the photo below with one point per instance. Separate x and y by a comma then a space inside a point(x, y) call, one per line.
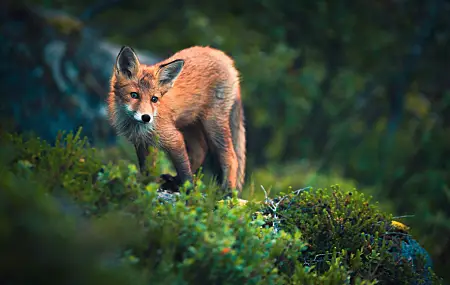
point(360, 87)
point(342, 224)
point(68, 216)
point(356, 87)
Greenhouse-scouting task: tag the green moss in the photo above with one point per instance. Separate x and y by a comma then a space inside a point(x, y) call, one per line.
point(70, 216)
point(345, 223)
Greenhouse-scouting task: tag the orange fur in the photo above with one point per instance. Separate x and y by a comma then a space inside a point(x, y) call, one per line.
point(198, 109)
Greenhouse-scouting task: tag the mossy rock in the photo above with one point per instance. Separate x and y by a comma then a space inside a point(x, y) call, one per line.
point(372, 246)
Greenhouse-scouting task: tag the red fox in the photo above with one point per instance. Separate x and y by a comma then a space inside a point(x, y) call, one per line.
point(187, 105)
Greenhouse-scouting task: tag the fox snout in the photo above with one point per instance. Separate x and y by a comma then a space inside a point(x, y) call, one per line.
point(140, 117)
point(143, 118)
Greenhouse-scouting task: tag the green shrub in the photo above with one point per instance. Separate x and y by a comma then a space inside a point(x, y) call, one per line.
point(345, 223)
point(69, 216)
point(42, 241)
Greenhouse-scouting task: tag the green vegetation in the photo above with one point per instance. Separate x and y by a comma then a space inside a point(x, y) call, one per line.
point(353, 93)
point(71, 216)
point(356, 91)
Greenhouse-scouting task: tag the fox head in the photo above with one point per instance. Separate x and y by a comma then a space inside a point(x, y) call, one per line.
point(138, 89)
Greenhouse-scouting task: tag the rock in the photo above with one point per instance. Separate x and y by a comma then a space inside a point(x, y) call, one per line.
point(411, 250)
point(55, 73)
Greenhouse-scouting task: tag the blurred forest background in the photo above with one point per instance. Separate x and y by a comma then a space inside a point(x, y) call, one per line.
point(348, 92)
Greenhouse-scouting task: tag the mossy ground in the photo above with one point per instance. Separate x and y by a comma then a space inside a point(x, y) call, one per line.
point(71, 216)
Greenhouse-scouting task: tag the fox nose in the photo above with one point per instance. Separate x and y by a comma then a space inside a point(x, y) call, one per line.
point(145, 118)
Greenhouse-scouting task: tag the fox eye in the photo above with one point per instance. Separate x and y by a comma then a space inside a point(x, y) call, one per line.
point(134, 95)
point(154, 99)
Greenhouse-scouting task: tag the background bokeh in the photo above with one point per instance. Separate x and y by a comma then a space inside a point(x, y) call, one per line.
point(354, 93)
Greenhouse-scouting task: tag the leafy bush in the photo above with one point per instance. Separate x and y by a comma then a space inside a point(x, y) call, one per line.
point(337, 223)
point(68, 216)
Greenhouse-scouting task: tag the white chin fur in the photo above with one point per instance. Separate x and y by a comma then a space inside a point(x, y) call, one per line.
point(133, 128)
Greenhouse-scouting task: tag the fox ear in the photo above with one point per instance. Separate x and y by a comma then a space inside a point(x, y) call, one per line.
point(169, 72)
point(127, 62)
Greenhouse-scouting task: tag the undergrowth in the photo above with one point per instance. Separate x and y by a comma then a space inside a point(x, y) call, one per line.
point(68, 217)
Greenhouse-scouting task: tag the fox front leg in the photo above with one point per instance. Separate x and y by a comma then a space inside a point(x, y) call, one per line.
point(171, 182)
point(175, 148)
point(142, 153)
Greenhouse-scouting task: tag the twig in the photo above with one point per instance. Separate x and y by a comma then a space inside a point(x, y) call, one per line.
point(397, 233)
point(266, 195)
point(317, 259)
point(298, 191)
point(404, 216)
point(274, 206)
